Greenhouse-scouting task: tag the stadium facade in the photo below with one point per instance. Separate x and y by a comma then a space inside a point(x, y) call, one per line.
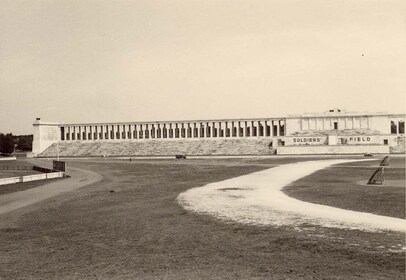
point(332, 132)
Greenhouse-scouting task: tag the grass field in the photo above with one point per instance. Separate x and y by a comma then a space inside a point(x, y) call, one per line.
point(9, 168)
point(5, 189)
point(344, 186)
point(139, 231)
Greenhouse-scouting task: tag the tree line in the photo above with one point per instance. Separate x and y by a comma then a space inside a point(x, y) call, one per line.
point(10, 143)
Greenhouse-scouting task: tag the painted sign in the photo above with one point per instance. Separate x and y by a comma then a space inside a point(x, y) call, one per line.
point(305, 140)
point(59, 165)
point(359, 140)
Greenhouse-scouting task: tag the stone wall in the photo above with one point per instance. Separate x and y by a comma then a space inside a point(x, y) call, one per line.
point(45, 134)
point(337, 149)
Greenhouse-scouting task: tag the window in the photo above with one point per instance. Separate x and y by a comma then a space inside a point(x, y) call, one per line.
point(401, 127)
point(385, 141)
point(393, 128)
point(335, 125)
point(282, 132)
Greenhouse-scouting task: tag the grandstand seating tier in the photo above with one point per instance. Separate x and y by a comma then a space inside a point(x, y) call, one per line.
point(160, 148)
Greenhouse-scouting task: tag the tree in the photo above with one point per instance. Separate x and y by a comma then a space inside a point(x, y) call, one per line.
point(24, 142)
point(6, 143)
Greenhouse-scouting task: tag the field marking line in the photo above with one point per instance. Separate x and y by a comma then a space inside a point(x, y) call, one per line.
point(258, 199)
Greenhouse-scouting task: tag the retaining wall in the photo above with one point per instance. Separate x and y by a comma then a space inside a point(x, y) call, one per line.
point(29, 178)
point(334, 149)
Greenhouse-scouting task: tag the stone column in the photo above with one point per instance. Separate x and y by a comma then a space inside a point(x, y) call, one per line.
point(198, 129)
point(397, 126)
point(266, 134)
point(134, 131)
point(278, 128)
point(153, 129)
point(123, 132)
point(158, 134)
point(111, 132)
point(203, 130)
point(261, 129)
point(66, 133)
point(164, 131)
point(213, 130)
point(89, 131)
point(140, 131)
point(93, 132)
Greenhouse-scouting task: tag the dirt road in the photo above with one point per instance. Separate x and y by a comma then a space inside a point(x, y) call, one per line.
point(79, 178)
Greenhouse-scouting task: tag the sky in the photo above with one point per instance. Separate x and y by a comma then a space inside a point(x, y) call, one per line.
point(74, 61)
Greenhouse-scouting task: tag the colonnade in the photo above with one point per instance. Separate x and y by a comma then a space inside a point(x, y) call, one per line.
point(173, 130)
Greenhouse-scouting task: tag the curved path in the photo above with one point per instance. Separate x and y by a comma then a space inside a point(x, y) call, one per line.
point(257, 198)
point(16, 200)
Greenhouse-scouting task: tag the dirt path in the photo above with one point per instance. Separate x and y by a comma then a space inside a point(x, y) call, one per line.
point(257, 198)
point(16, 200)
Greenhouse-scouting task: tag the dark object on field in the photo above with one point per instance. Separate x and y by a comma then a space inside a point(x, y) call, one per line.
point(58, 165)
point(385, 161)
point(378, 177)
point(368, 155)
point(112, 191)
point(43, 170)
point(180, 156)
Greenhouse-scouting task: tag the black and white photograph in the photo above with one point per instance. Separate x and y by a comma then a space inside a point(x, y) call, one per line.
point(202, 139)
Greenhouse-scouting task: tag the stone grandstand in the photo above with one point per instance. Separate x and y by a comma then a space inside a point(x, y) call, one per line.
point(161, 148)
point(332, 132)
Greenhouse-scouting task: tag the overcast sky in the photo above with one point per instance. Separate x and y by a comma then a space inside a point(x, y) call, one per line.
point(106, 61)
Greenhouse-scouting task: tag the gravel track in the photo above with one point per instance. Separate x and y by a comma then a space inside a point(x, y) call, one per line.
point(257, 198)
point(79, 178)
